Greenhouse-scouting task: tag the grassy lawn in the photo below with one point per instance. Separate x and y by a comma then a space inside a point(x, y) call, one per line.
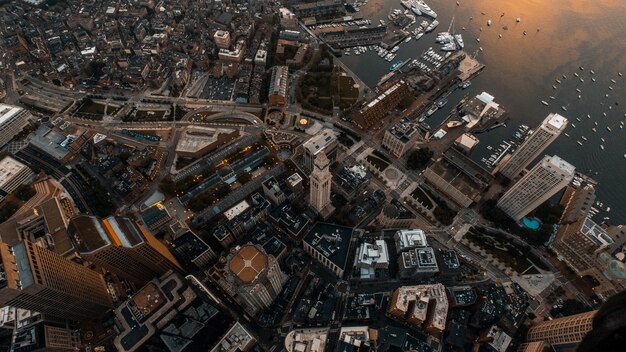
point(347, 89)
point(377, 163)
point(94, 111)
point(419, 195)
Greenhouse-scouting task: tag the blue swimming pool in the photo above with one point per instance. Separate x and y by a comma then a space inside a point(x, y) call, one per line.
point(532, 224)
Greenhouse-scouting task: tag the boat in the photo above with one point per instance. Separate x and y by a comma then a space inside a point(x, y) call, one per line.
point(553, 87)
point(566, 134)
point(573, 126)
point(544, 103)
point(395, 65)
point(465, 85)
point(425, 9)
point(576, 74)
point(478, 40)
point(579, 142)
point(577, 90)
point(602, 139)
point(593, 73)
point(552, 98)
point(432, 26)
point(449, 47)
point(408, 39)
point(613, 81)
point(419, 35)
point(432, 110)
point(558, 81)
point(593, 79)
point(581, 68)
point(593, 129)
point(518, 20)
point(601, 147)
point(459, 41)
point(488, 22)
point(578, 119)
point(382, 22)
point(422, 118)
point(583, 138)
point(608, 128)
point(395, 49)
point(620, 74)
point(581, 79)
point(563, 108)
point(454, 123)
point(441, 103)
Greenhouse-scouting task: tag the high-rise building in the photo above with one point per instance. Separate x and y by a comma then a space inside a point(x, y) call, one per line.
point(534, 145)
point(323, 142)
point(121, 246)
point(222, 39)
point(278, 85)
point(13, 174)
point(563, 334)
point(543, 181)
point(320, 184)
point(12, 120)
point(251, 276)
point(38, 279)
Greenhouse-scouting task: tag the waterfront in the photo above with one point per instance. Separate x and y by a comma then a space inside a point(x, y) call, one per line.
point(522, 69)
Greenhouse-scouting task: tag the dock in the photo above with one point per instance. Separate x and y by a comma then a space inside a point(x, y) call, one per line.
point(469, 66)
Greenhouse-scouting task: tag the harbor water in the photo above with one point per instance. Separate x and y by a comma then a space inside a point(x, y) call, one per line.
point(554, 41)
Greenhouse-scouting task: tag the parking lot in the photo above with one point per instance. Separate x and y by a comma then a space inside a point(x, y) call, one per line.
point(218, 88)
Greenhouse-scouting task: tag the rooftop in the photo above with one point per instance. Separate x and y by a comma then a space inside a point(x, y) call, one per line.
point(236, 339)
point(332, 241)
point(9, 167)
point(405, 295)
point(306, 340)
point(320, 141)
point(188, 246)
point(555, 121)
point(248, 263)
point(410, 239)
point(7, 112)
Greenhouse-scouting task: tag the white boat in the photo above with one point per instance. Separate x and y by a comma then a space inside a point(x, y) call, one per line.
point(563, 108)
point(579, 143)
point(419, 35)
point(459, 41)
point(578, 90)
point(454, 123)
point(465, 84)
point(518, 20)
point(602, 139)
point(432, 26)
point(583, 138)
point(601, 147)
point(553, 86)
point(573, 126)
point(488, 22)
point(425, 9)
point(566, 134)
point(608, 128)
point(576, 74)
point(613, 81)
point(594, 129)
point(544, 103)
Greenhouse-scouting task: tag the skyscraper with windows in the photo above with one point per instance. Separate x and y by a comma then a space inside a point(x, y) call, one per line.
point(563, 334)
point(321, 181)
point(121, 246)
point(539, 140)
point(543, 181)
point(37, 279)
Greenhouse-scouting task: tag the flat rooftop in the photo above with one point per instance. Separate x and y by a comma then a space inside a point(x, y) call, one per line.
point(188, 246)
point(7, 112)
point(320, 141)
point(9, 167)
point(332, 241)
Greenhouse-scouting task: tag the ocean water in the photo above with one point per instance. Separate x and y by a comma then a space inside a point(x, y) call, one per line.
point(562, 36)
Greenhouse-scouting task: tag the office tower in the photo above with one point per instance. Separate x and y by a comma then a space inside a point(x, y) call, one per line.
point(321, 181)
point(543, 181)
point(251, 276)
point(534, 145)
point(278, 85)
point(12, 120)
point(13, 174)
point(38, 279)
point(323, 142)
point(563, 334)
point(121, 246)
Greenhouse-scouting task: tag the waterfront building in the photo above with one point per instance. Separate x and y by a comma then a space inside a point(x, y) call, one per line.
point(279, 83)
point(319, 8)
point(543, 181)
point(371, 114)
point(12, 120)
point(121, 246)
point(549, 130)
point(37, 279)
point(399, 138)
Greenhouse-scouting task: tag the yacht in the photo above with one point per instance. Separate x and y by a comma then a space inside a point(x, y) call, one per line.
point(441, 103)
point(608, 128)
point(601, 147)
point(613, 81)
point(425, 9)
point(459, 41)
point(465, 84)
point(454, 123)
point(583, 138)
point(544, 103)
point(432, 110)
point(579, 143)
point(432, 26)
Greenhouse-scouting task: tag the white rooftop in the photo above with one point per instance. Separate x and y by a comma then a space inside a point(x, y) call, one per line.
point(563, 165)
point(236, 210)
point(7, 112)
point(555, 121)
point(372, 254)
point(9, 167)
point(410, 239)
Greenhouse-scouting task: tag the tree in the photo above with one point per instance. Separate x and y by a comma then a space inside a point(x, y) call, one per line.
point(419, 158)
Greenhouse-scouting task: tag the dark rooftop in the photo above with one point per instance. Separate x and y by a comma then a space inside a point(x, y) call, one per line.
point(188, 247)
point(333, 241)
